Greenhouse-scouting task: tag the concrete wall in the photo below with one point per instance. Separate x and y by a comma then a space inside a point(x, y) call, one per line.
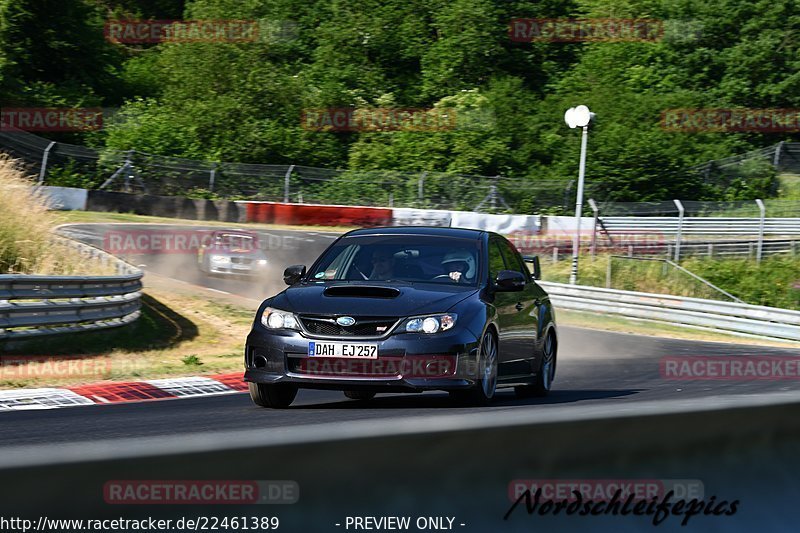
point(466, 219)
point(562, 224)
point(164, 206)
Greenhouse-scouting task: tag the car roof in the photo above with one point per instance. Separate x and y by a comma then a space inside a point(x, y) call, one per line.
point(436, 231)
point(242, 232)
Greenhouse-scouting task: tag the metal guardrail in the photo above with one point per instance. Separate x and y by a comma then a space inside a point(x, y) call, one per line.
point(46, 305)
point(638, 245)
point(702, 225)
point(734, 249)
point(729, 317)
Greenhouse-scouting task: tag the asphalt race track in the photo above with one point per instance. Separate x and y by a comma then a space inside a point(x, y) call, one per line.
point(611, 418)
point(595, 369)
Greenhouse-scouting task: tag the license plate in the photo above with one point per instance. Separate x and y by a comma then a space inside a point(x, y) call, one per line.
point(347, 350)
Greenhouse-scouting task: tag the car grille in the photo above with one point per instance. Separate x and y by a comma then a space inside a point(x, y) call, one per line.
point(241, 260)
point(364, 326)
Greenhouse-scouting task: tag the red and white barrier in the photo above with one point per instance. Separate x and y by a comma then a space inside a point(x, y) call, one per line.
point(342, 215)
point(316, 215)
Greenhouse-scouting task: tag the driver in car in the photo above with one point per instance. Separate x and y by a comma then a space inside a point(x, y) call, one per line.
point(382, 265)
point(459, 266)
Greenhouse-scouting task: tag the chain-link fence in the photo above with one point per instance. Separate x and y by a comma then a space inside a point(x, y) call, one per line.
point(133, 171)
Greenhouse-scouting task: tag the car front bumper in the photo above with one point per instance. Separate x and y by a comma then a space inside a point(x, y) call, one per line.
point(236, 269)
point(407, 362)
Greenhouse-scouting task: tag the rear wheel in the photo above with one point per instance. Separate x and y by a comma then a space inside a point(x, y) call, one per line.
point(547, 371)
point(278, 396)
point(363, 396)
point(483, 392)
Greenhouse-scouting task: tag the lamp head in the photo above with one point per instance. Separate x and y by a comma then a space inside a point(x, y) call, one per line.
point(578, 117)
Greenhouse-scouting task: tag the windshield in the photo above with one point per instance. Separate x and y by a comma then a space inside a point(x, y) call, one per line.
point(235, 240)
point(411, 258)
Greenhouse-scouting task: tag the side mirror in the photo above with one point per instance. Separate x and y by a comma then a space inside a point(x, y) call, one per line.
point(293, 274)
point(510, 281)
point(536, 269)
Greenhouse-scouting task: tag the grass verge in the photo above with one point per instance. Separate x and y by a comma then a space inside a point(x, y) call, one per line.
point(97, 217)
point(26, 239)
point(178, 335)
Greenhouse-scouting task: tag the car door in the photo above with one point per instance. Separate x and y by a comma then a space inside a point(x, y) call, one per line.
point(501, 302)
point(520, 316)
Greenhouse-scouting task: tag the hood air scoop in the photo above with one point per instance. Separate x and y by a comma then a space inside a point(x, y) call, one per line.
point(362, 291)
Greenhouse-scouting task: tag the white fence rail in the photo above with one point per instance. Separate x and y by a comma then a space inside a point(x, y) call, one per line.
point(46, 305)
point(702, 225)
point(743, 319)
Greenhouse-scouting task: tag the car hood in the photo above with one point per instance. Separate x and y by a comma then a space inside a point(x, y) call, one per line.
point(370, 298)
point(226, 250)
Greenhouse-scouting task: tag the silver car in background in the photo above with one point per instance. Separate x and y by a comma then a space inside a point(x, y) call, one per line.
point(232, 252)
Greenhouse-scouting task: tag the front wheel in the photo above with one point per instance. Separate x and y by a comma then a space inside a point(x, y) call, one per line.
point(483, 392)
point(278, 396)
point(547, 371)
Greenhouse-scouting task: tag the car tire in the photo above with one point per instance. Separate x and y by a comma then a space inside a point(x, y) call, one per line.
point(363, 396)
point(484, 390)
point(278, 396)
point(543, 381)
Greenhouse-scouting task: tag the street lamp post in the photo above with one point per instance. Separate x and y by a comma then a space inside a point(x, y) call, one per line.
point(578, 117)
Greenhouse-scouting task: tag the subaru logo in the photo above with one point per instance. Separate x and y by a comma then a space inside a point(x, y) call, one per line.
point(345, 321)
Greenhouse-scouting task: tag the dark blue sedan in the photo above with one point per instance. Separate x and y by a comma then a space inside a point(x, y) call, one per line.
point(406, 309)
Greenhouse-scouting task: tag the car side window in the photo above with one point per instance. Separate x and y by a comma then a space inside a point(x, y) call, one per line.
point(496, 263)
point(512, 259)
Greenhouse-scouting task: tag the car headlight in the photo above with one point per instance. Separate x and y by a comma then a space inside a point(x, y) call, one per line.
point(430, 324)
point(261, 262)
point(221, 259)
point(277, 319)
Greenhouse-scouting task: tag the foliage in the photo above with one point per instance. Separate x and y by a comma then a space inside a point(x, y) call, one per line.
point(243, 102)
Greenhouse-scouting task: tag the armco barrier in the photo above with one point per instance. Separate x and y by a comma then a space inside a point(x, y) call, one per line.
point(701, 225)
point(44, 305)
point(316, 215)
point(757, 320)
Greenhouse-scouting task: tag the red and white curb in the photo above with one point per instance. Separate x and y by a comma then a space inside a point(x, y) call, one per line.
point(120, 392)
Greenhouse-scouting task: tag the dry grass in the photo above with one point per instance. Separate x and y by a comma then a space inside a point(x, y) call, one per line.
point(26, 230)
